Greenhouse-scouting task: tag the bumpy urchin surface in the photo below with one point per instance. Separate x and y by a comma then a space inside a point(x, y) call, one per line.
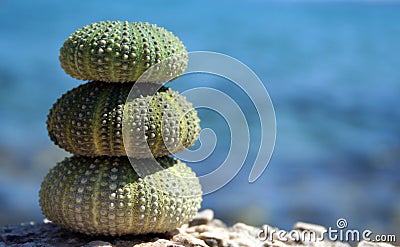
point(88, 120)
point(115, 51)
point(105, 196)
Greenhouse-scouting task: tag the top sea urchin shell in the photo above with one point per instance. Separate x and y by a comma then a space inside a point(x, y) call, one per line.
point(115, 51)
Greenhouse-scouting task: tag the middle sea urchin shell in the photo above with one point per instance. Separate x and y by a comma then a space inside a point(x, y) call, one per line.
point(88, 121)
point(104, 195)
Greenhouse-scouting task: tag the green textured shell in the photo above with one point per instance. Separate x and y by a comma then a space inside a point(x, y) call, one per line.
point(115, 51)
point(105, 196)
point(94, 119)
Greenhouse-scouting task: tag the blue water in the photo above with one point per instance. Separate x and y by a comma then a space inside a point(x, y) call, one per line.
point(332, 71)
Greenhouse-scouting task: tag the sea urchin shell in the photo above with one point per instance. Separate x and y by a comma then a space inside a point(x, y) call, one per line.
point(88, 121)
point(104, 195)
point(115, 51)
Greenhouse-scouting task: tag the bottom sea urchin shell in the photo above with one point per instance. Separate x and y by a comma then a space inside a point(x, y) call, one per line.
point(104, 195)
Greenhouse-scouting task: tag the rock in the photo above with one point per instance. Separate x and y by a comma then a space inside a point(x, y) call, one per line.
point(202, 218)
point(212, 232)
point(188, 240)
point(217, 223)
point(244, 235)
point(246, 229)
point(219, 237)
point(340, 244)
point(373, 244)
point(302, 226)
point(270, 234)
point(159, 243)
point(98, 244)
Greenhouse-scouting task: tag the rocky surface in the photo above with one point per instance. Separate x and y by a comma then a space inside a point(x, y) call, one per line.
point(203, 231)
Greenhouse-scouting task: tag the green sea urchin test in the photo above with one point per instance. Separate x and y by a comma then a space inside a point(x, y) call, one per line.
point(104, 195)
point(115, 51)
point(115, 125)
point(88, 121)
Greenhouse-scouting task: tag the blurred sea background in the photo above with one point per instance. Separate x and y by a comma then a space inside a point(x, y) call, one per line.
point(332, 69)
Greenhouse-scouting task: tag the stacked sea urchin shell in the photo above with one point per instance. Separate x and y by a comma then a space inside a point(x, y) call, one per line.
point(97, 191)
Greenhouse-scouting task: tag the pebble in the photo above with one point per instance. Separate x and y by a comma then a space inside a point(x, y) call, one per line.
point(188, 240)
point(373, 244)
point(98, 244)
point(302, 226)
point(202, 218)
